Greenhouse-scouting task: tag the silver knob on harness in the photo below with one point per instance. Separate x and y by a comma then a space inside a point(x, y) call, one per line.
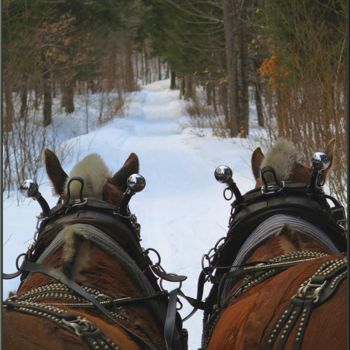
point(223, 174)
point(136, 183)
point(321, 161)
point(29, 188)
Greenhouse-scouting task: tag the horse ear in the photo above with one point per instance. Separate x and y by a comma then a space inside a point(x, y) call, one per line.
point(131, 166)
point(330, 152)
point(55, 172)
point(257, 158)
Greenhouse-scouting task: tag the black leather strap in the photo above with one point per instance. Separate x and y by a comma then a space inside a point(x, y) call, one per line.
point(50, 271)
point(313, 292)
point(83, 328)
point(8, 276)
point(170, 319)
point(196, 303)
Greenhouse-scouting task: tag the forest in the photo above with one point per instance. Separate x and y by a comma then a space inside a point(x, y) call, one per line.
point(288, 57)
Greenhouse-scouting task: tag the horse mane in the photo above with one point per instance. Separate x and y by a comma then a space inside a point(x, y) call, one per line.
point(281, 157)
point(93, 170)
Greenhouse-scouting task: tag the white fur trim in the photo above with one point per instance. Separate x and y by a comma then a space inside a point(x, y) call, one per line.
point(94, 172)
point(69, 246)
point(281, 157)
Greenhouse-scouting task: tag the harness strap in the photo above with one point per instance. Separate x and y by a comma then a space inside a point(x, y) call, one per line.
point(196, 303)
point(170, 319)
point(311, 293)
point(80, 326)
point(52, 272)
point(9, 276)
point(169, 326)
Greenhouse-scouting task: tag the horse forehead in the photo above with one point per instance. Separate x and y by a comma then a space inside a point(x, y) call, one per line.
point(301, 173)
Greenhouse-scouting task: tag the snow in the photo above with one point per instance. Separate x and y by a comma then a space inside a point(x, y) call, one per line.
point(181, 211)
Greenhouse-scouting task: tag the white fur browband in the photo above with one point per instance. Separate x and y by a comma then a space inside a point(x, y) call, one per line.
point(281, 157)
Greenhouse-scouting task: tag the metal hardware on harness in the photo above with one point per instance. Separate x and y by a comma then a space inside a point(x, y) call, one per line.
point(320, 163)
point(270, 186)
point(159, 271)
point(223, 174)
point(311, 291)
point(92, 336)
point(81, 181)
point(135, 183)
point(30, 189)
point(79, 326)
point(212, 254)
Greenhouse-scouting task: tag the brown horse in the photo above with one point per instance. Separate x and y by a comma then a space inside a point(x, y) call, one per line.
point(279, 276)
point(86, 283)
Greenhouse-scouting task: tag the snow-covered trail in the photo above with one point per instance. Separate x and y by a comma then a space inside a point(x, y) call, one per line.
point(181, 211)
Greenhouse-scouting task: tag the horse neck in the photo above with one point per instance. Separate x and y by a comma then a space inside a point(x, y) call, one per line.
point(284, 243)
point(96, 270)
point(92, 267)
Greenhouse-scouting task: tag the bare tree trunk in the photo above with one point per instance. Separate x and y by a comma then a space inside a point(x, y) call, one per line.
point(208, 91)
point(230, 31)
point(159, 68)
point(129, 71)
point(224, 103)
point(258, 94)
point(47, 107)
point(36, 97)
point(24, 100)
point(9, 110)
point(167, 71)
point(242, 69)
point(182, 87)
point(7, 170)
point(214, 99)
point(172, 80)
point(112, 71)
point(188, 87)
point(137, 66)
point(68, 96)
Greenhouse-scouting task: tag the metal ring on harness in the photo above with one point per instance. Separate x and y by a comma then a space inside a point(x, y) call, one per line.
point(228, 190)
point(79, 179)
point(157, 254)
point(17, 261)
point(275, 185)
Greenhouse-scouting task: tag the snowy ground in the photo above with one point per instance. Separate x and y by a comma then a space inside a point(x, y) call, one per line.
point(181, 210)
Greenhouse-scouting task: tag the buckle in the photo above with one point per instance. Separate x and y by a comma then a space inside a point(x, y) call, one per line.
point(311, 291)
point(79, 326)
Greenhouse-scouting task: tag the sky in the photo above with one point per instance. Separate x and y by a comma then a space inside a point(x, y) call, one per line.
point(182, 211)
